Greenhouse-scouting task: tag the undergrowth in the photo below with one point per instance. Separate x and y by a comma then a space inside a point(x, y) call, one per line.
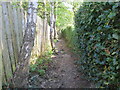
point(41, 64)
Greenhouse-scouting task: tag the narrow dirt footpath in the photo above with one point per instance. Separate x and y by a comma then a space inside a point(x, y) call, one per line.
point(62, 72)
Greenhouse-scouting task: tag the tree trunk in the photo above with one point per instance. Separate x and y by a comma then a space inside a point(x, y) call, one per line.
point(52, 26)
point(44, 26)
point(55, 16)
point(20, 78)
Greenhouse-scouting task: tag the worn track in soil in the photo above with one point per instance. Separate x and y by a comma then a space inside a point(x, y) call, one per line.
point(62, 72)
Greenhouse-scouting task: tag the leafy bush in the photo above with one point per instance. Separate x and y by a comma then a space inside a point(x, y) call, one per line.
point(41, 72)
point(98, 27)
point(70, 35)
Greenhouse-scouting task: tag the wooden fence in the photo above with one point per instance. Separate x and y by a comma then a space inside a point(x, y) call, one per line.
point(11, 38)
point(0, 47)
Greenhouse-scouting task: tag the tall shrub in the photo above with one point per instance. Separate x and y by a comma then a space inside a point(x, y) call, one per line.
point(70, 36)
point(98, 28)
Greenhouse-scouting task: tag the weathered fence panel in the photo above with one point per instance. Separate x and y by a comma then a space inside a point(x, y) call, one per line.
point(12, 31)
point(0, 47)
point(6, 40)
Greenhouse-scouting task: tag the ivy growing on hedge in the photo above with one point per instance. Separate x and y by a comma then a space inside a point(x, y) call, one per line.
point(98, 28)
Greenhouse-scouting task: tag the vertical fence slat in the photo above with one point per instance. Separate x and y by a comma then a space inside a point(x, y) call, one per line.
point(8, 34)
point(38, 36)
point(6, 58)
point(41, 37)
point(23, 22)
point(2, 72)
point(15, 20)
point(4, 76)
point(12, 37)
point(19, 25)
point(0, 47)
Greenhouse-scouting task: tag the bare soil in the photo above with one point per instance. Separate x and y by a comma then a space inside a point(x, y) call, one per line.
point(62, 72)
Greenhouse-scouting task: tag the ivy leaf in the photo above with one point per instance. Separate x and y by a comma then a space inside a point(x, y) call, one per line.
point(111, 15)
point(115, 6)
point(113, 53)
point(99, 28)
point(114, 62)
point(107, 26)
point(115, 36)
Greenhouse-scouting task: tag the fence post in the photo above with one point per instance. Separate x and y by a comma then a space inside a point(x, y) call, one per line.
point(0, 47)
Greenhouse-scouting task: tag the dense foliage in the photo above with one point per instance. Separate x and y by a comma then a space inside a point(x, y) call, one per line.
point(98, 28)
point(64, 15)
point(69, 34)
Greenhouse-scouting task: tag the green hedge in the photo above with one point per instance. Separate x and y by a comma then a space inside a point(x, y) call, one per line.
point(70, 36)
point(98, 28)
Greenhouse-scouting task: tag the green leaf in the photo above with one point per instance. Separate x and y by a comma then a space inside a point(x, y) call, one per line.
point(41, 72)
point(115, 36)
point(115, 6)
point(111, 15)
point(113, 53)
point(107, 26)
point(114, 62)
point(99, 28)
